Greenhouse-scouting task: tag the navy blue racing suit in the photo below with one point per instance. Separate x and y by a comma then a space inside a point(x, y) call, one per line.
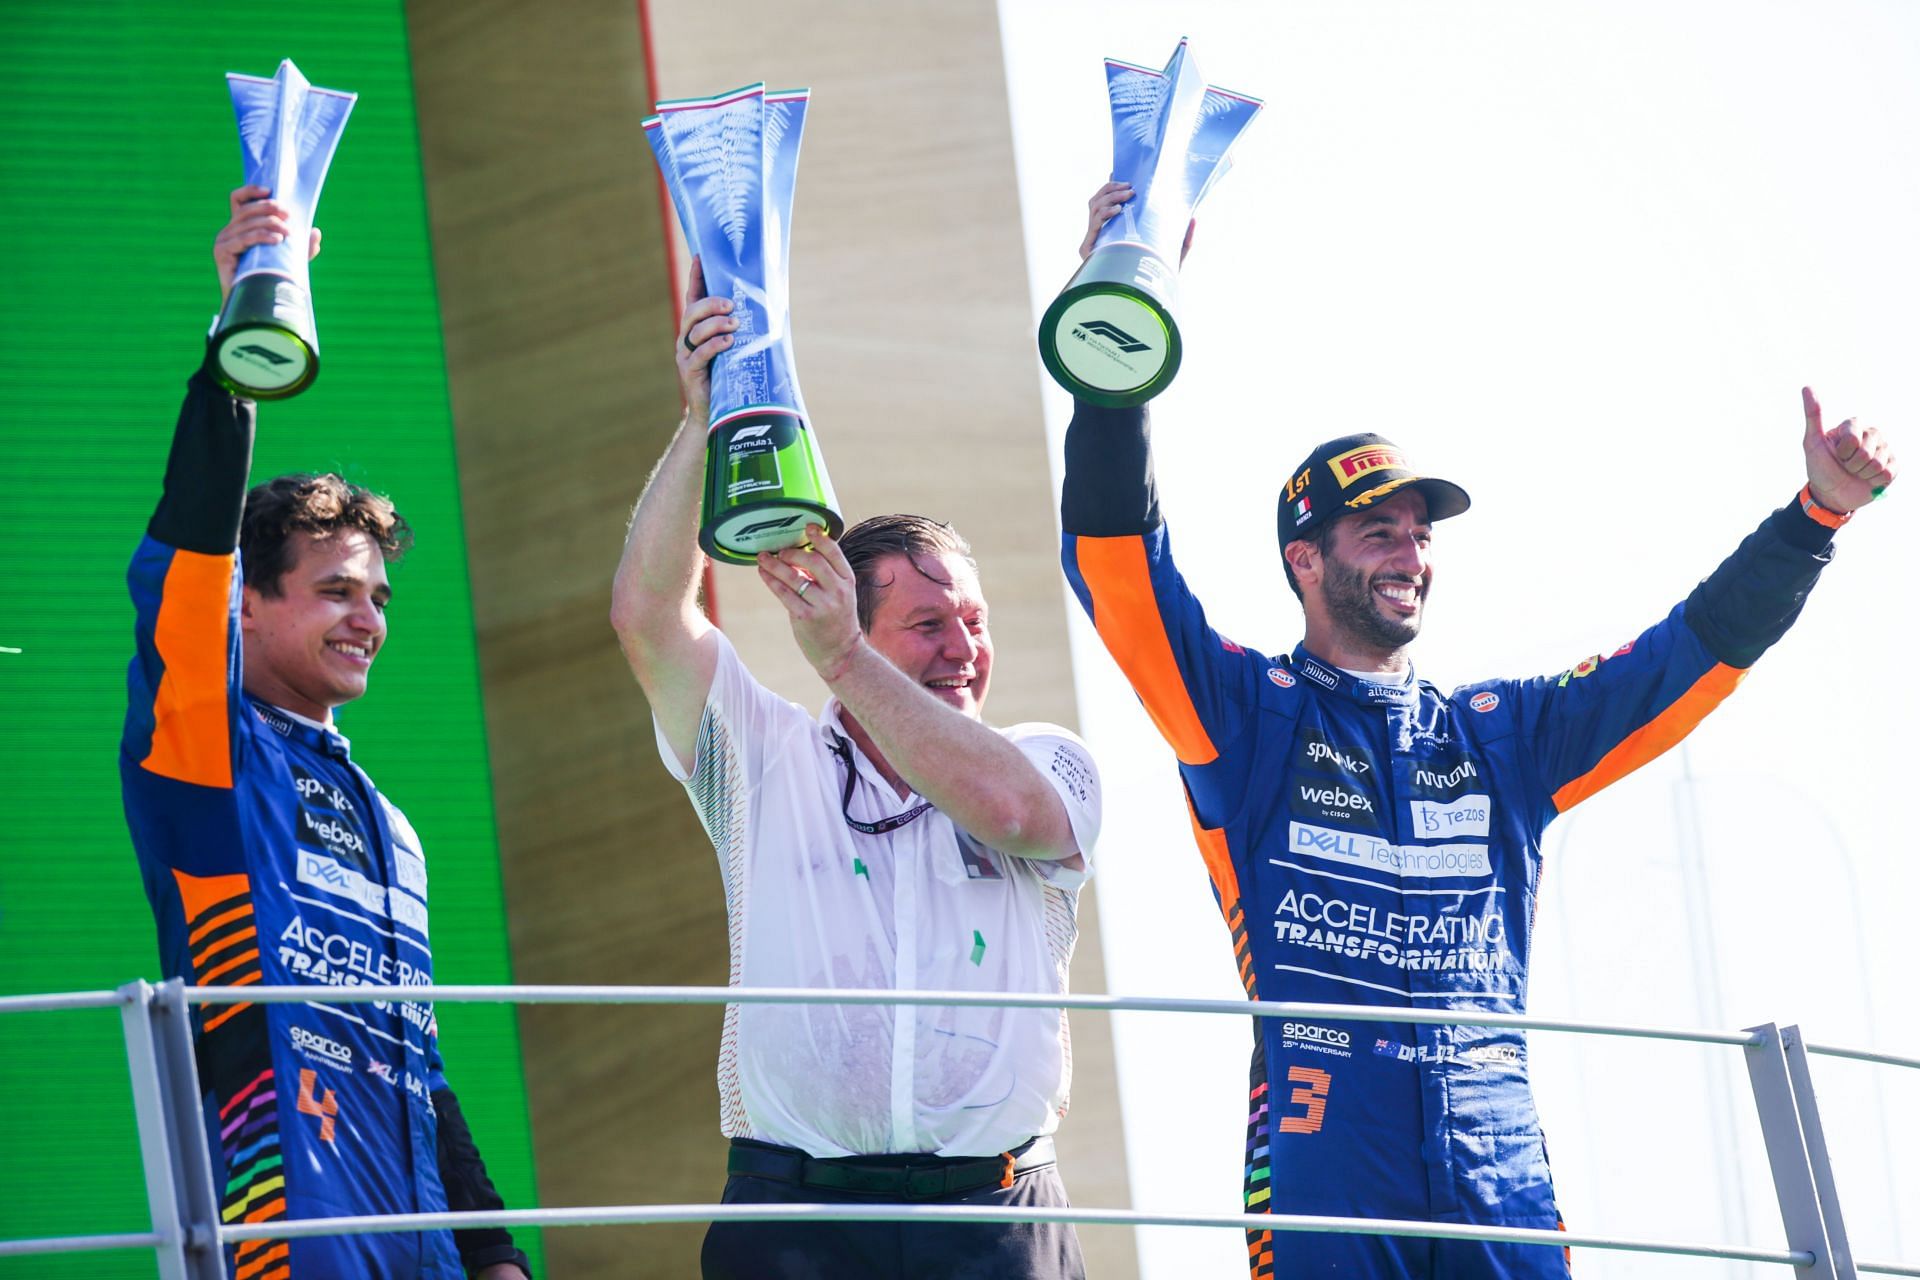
point(270, 857)
point(1380, 845)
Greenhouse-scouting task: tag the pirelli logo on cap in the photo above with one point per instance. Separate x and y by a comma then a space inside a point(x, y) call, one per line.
point(1355, 463)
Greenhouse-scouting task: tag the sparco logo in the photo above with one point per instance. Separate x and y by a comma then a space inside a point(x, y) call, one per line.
point(1115, 334)
point(767, 526)
point(1451, 778)
point(333, 1051)
point(1312, 1034)
point(1321, 753)
point(1337, 797)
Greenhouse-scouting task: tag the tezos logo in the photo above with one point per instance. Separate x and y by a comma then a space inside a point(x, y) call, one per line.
point(1115, 334)
point(1484, 701)
point(321, 1047)
point(1281, 676)
point(1313, 1034)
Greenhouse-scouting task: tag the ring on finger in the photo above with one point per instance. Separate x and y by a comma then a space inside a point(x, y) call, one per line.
point(686, 340)
point(801, 590)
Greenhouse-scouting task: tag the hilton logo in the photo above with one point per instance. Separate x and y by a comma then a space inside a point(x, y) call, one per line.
point(1112, 333)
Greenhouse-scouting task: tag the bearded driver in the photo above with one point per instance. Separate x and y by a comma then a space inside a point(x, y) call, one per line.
point(269, 857)
point(1374, 840)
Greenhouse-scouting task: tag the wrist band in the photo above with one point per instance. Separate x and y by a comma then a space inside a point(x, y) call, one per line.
point(1819, 514)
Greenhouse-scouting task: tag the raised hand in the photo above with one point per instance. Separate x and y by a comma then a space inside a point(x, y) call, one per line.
point(254, 219)
point(815, 584)
point(1847, 467)
point(1105, 203)
point(706, 329)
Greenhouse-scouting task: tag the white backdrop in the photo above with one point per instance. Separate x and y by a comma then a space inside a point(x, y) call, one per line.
point(1581, 258)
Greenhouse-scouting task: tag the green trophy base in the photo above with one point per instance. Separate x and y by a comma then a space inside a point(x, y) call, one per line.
point(264, 346)
point(766, 482)
point(1110, 337)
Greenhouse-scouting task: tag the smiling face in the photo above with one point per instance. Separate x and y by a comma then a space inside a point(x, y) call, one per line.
point(930, 621)
point(309, 647)
point(1368, 585)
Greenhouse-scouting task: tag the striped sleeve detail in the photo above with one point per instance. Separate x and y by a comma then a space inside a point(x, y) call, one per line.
point(258, 1259)
point(1127, 616)
point(1655, 737)
point(191, 734)
point(1257, 1177)
point(1226, 887)
point(223, 943)
point(255, 1189)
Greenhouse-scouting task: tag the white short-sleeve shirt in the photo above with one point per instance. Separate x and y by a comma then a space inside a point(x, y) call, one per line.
point(813, 903)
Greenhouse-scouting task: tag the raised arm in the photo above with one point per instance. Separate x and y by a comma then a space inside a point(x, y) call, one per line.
point(1115, 551)
point(185, 679)
point(985, 783)
point(1605, 717)
point(668, 641)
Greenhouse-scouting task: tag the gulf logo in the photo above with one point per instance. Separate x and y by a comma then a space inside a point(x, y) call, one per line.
point(1484, 701)
point(1281, 676)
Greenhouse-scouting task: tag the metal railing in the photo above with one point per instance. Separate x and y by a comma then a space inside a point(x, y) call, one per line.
point(187, 1236)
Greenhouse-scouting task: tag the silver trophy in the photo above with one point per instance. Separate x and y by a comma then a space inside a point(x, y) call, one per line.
point(264, 344)
point(1110, 337)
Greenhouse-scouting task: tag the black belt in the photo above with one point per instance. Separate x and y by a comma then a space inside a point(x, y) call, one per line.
point(907, 1177)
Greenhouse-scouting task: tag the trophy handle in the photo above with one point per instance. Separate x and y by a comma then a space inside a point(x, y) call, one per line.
point(1110, 336)
point(264, 344)
point(766, 481)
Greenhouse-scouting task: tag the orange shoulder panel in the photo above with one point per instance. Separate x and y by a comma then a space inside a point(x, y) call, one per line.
point(1653, 738)
point(190, 728)
point(1127, 617)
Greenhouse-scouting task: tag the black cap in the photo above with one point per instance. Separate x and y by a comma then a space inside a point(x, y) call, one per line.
point(1350, 474)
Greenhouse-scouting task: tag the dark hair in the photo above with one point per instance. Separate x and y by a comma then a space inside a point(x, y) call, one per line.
point(877, 537)
point(1317, 537)
point(318, 506)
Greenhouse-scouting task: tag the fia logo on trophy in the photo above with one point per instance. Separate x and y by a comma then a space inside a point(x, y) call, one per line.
point(729, 164)
point(264, 344)
point(1110, 338)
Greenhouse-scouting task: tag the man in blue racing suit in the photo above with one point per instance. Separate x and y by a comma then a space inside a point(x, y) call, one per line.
point(1374, 840)
point(270, 857)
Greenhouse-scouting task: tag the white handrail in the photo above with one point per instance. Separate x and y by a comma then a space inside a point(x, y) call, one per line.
point(1761, 1039)
point(995, 999)
point(648, 1214)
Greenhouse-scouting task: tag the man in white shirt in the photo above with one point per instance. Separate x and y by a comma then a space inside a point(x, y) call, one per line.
point(895, 841)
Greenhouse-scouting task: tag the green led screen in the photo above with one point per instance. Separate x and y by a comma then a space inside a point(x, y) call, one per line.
point(117, 150)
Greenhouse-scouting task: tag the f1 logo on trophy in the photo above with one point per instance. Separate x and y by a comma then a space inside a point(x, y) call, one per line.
point(729, 165)
point(264, 344)
point(1110, 338)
